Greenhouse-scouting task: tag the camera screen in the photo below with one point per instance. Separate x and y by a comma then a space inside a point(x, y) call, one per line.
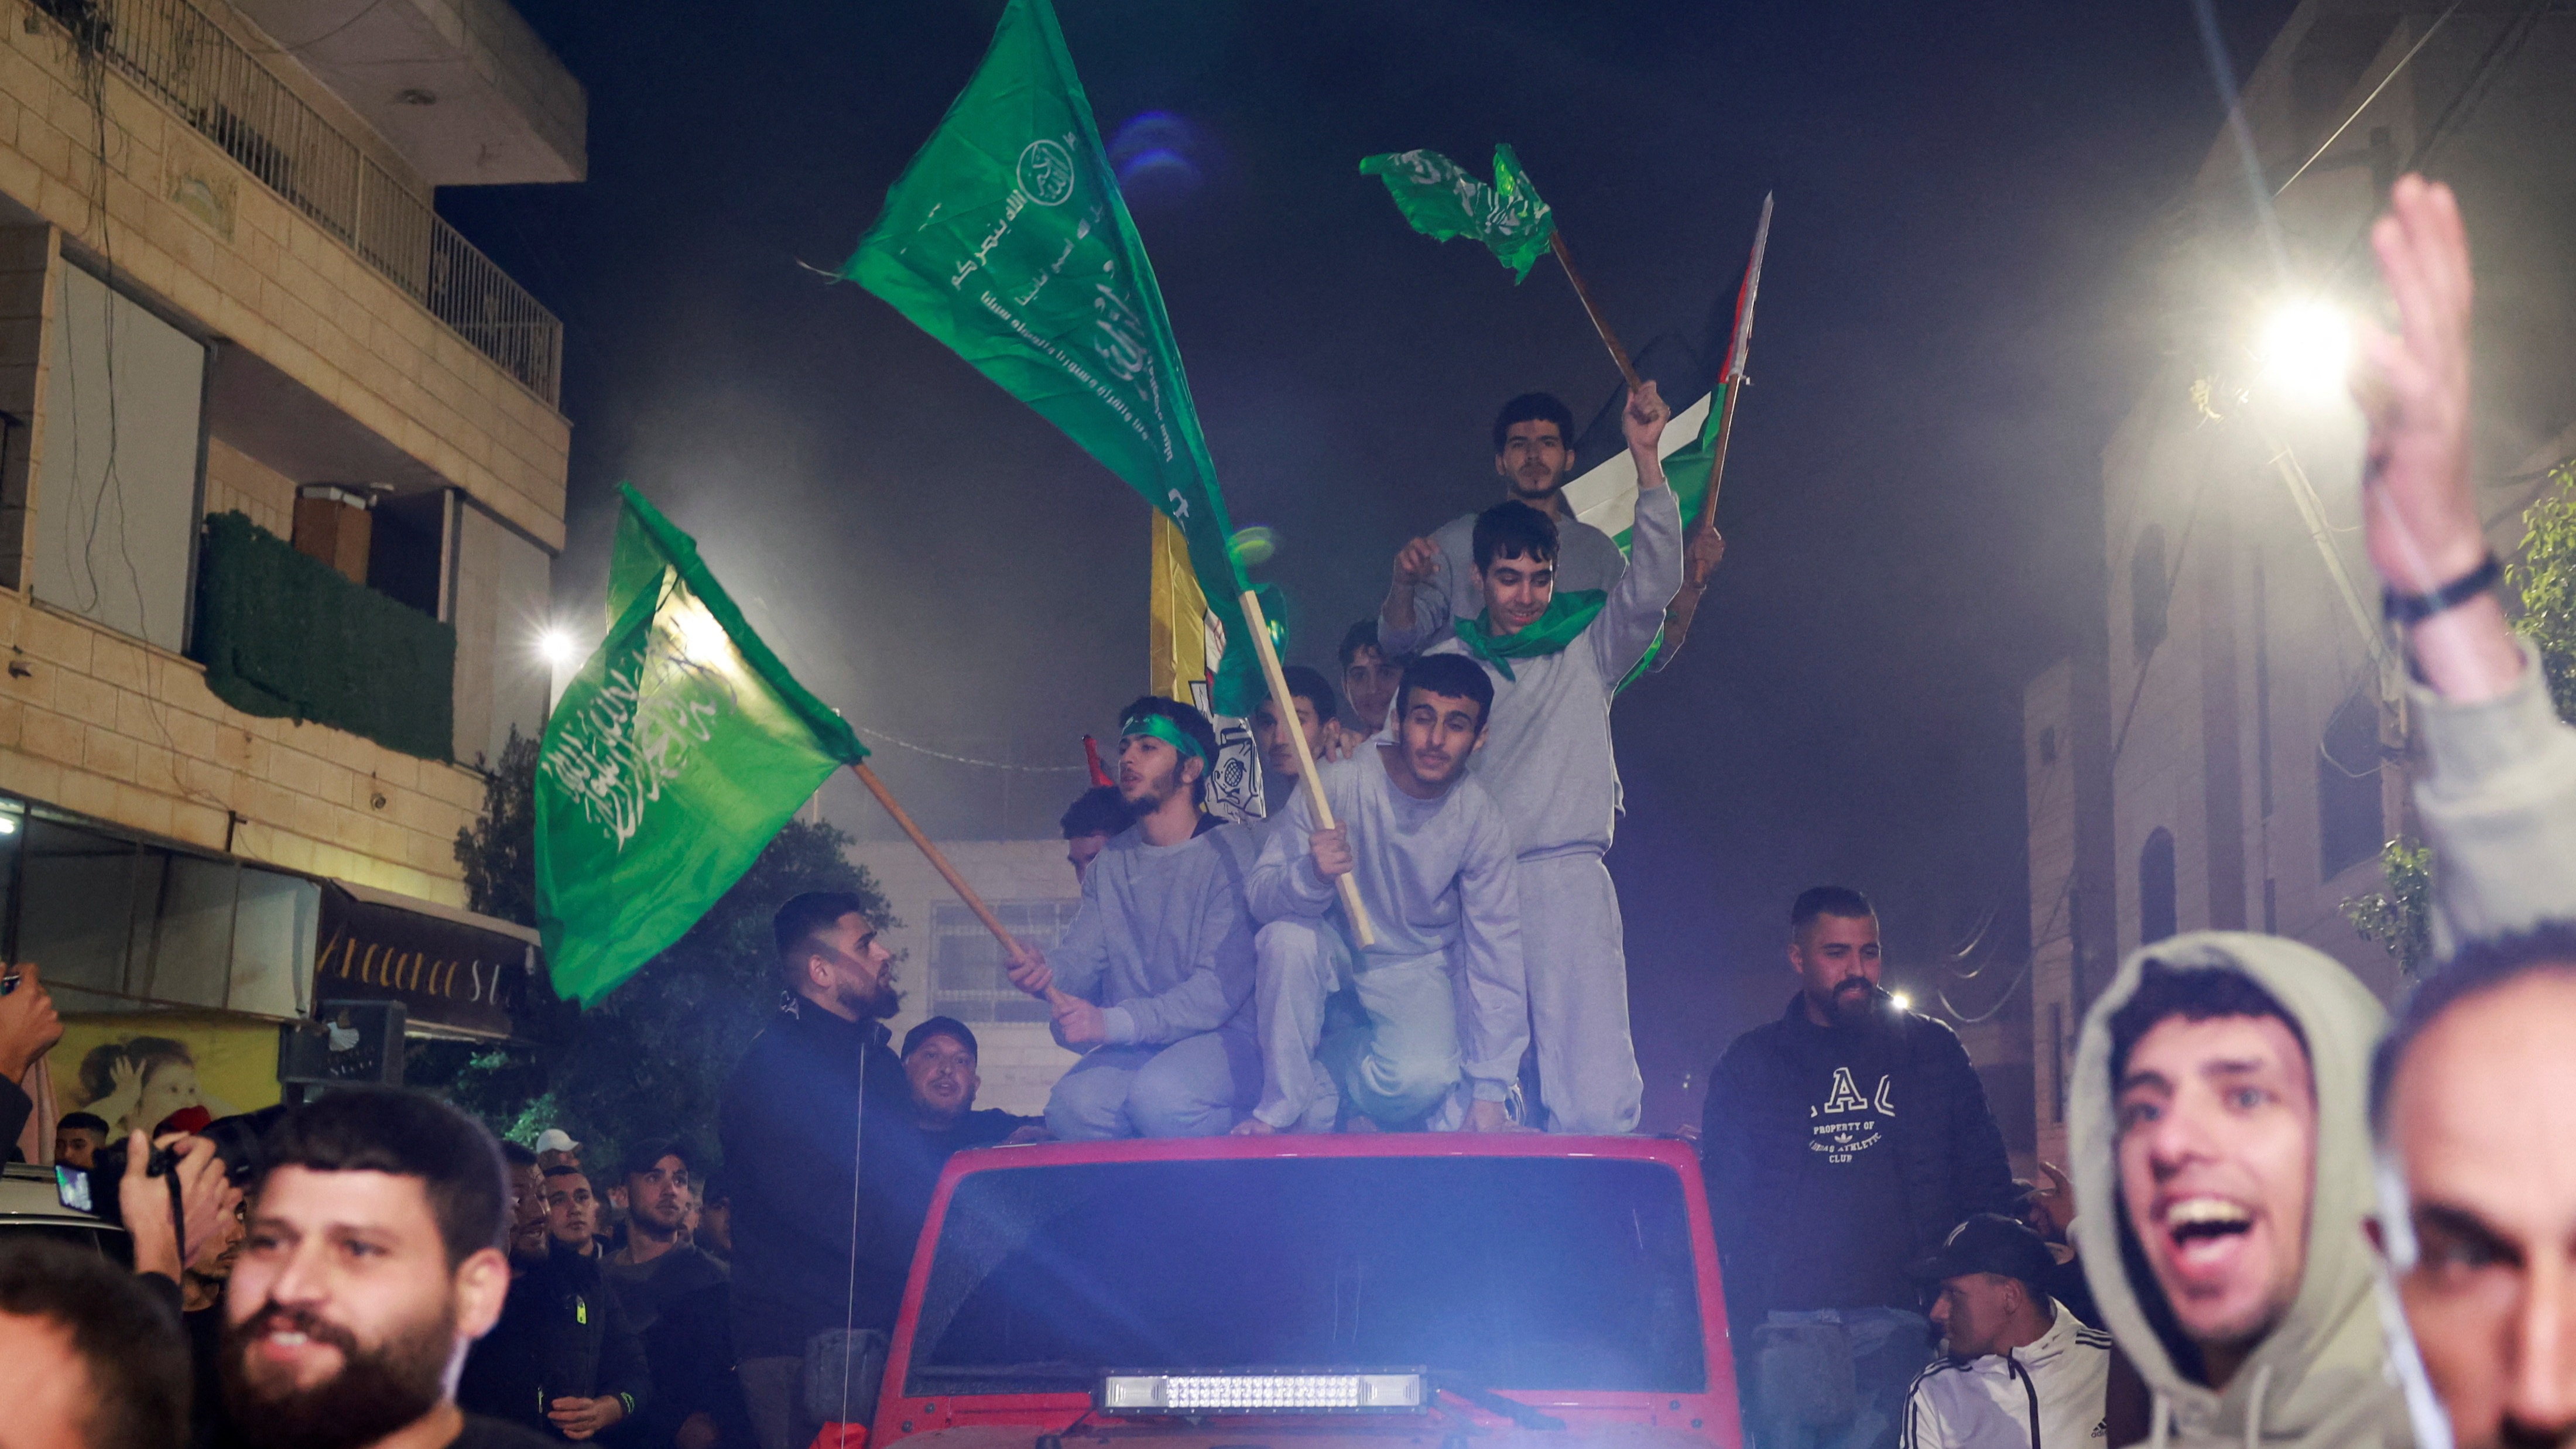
point(71, 1184)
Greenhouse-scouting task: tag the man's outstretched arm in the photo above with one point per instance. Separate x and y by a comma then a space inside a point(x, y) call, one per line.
point(2498, 794)
point(1635, 608)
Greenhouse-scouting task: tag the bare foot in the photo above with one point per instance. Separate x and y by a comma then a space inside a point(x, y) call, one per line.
point(1253, 1127)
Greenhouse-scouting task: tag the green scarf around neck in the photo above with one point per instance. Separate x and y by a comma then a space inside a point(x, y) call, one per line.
point(1567, 616)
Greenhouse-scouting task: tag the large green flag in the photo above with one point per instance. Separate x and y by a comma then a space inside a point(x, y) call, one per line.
point(1006, 239)
point(1443, 199)
point(678, 751)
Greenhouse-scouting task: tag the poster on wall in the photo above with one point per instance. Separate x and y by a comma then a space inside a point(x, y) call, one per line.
point(134, 1069)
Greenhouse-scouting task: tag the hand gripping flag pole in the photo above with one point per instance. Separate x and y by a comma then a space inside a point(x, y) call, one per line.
point(1363, 934)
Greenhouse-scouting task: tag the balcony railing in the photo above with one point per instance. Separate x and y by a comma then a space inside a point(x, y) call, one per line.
point(171, 49)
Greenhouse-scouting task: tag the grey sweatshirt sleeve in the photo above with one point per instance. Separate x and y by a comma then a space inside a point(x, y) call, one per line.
point(1284, 882)
point(1634, 611)
point(2498, 798)
point(1080, 959)
point(1493, 975)
point(1432, 614)
point(1218, 982)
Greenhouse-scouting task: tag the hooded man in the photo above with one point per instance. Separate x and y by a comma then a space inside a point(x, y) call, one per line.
point(2217, 1117)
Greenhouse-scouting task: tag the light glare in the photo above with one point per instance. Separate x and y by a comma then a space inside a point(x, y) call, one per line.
point(1903, 1001)
point(556, 646)
point(2307, 348)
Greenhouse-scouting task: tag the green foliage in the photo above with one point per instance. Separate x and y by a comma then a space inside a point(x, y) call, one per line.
point(2400, 918)
point(499, 852)
point(2545, 581)
point(651, 1058)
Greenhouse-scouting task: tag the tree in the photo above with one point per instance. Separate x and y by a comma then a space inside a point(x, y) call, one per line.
point(651, 1058)
point(2543, 581)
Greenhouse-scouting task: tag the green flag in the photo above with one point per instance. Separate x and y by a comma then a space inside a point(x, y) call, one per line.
point(1006, 239)
point(678, 751)
point(1443, 199)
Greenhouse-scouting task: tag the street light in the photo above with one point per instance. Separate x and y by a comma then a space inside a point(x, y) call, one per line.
point(2306, 348)
point(556, 646)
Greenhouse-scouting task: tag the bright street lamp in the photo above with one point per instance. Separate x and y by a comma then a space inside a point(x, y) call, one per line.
point(2306, 348)
point(556, 646)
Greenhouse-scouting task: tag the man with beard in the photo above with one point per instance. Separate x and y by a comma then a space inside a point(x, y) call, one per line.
point(803, 1169)
point(1435, 870)
point(1556, 660)
point(1841, 1144)
point(89, 1359)
point(564, 1359)
point(372, 1261)
point(201, 1313)
point(1153, 978)
point(677, 1298)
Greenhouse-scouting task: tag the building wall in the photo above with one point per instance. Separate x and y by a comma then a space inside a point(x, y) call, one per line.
point(252, 269)
point(1018, 1062)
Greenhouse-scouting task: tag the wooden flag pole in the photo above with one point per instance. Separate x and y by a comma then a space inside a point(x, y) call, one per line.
point(1362, 933)
point(1618, 354)
point(1732, 377)
point(947, 872)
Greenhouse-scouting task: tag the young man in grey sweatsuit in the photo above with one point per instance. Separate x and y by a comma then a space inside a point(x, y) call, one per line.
point(1555, 661)
point(1153, 979)
point(1442, 990)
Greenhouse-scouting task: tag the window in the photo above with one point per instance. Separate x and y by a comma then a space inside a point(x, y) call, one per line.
point(116, 507)
point(2150, 593)
point(2350, 827)
point(2156, 887)
point(967, 979)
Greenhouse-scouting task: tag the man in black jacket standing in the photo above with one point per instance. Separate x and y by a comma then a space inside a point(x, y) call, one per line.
point(564, 1360)
point(1842, 1142)
point(817, 1131)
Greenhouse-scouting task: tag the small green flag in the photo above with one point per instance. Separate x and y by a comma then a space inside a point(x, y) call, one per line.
point(1006, 239)
point(1443, 199)
point(678, 751)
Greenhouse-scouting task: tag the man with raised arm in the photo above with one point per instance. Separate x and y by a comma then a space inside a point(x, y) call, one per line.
point(1153, 979)
point(1435, 870)
point(1555, 659)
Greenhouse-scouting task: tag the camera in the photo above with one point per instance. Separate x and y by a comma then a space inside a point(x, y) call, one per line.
point(240, 1145)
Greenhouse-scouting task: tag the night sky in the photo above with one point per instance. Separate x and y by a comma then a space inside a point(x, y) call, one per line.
point(1965, 193)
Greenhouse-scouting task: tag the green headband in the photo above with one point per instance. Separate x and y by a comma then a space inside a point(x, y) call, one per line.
point(1162, 727)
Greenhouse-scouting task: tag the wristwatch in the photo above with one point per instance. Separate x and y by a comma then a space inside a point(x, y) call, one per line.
point(2406, 610)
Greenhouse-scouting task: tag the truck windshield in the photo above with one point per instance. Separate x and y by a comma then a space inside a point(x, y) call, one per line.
point(1521, 1273)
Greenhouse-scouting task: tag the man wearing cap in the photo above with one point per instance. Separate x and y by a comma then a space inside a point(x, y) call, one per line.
point(555, 1148)
point(939, 1058)
point(2018, 1370)
point(1153, 979)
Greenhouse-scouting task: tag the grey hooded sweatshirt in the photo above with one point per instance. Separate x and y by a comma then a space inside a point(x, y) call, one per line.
point(2319, 1379)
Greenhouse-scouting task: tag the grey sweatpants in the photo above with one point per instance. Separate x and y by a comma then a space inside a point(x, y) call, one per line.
point(1401, 1066)
point(1194, 1087)
point(1572, 938)
point(773, 1390)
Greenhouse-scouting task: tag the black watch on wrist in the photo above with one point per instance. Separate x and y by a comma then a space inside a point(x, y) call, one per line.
point(2407, 610)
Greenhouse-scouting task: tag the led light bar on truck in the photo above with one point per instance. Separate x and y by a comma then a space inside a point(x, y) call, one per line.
point(1346, 1392)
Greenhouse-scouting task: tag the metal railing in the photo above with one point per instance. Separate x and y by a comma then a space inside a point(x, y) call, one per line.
point(173, 50)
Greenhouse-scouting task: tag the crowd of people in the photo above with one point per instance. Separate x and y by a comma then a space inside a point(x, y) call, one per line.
point(2290, 1221)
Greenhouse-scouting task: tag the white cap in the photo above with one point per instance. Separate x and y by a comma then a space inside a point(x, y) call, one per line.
point(555, 1139)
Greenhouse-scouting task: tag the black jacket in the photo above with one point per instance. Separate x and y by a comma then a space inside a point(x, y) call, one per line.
point(562, 1334)
point(1765, 1096)
point(680, 1306)
point(790, 1127)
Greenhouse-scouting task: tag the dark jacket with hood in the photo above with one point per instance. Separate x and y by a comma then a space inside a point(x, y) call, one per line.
point(2320, 1378)
point(562, 1334)
point(1779, 1086)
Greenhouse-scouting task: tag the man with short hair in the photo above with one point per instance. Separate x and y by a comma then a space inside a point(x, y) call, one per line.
point(1556, 660)
point(799, 1159)
point(1841, 1144)
point(372, 1262)
point(1317, 715)
point(714, 1232)
point(2217, 1106)
point(939, 1060)
point(1153, 978)
point(677, 1299)
point(1095, 815)
point(201, 1316)
point(2017, 1369)
point(565, 1359)
point(1435, 870)
point(77, 1138)
point(1369, 679)
point(1438, 583)
point(89, 1359)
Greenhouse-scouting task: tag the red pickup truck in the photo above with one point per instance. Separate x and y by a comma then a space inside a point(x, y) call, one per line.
point(1369, 1291)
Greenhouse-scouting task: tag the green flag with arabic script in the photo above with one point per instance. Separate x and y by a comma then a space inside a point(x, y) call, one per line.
point(674, 755)
point(1006, 239)
point(1442, 199)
